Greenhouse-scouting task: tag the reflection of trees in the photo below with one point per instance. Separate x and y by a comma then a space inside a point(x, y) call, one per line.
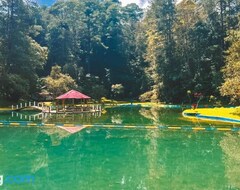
point(56, 135)
point(230, 145)
point(116, 119)
point(179, 160)
point(47, 137)
point(71, 118)
point(152, 113)
point(155, 170)
point(52, 144)
point(162, 116)
point(41, 161)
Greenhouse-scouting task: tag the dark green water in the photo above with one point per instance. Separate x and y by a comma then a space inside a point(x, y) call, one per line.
point(128, 159)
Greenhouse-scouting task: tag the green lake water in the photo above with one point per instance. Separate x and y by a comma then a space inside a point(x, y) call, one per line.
point(117, 158)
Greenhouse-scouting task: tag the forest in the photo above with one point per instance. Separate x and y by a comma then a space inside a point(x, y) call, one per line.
point(168, 52)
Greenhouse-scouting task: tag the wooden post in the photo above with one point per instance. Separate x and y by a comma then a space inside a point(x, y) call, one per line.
point(56, 106)
point(63, 105)
point(73, 106)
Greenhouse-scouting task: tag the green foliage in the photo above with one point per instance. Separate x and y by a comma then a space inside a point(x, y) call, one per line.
point(16, 87)
point(117, 89)
point(58, 83)
point(93, 86)
point(154, 71)
point(21, 57)
point(157, 54)
point(231, 85)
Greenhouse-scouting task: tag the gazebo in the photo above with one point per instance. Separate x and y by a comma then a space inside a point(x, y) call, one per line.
point(73, 95)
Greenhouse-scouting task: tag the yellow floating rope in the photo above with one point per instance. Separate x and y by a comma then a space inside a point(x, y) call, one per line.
point(224, 129)
point(175, 128)
point(199, 128)
point(15, 124)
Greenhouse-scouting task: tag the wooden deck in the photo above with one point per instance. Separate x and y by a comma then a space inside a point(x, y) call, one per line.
point(80, 108)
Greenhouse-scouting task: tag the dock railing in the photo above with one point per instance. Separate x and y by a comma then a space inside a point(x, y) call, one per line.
point(43, 107)
point(33, 105)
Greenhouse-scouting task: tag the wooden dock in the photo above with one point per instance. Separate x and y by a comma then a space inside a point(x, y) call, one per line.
point(29, 105)
point(42, 107)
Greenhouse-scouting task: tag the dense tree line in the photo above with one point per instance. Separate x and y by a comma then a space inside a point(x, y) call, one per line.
point(163, 53)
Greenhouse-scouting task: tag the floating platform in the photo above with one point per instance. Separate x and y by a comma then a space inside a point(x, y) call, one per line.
point(226, 115)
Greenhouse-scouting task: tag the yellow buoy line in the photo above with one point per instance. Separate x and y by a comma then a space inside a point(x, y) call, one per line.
point(153, 127)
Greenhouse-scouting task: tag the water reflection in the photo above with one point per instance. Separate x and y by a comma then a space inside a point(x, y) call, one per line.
point(120, 159)
point(159, 116)
point(152, 113)
point(53, 118)
point(230, 145)
point(156, 170)
point(72, 118)
point(117, 119)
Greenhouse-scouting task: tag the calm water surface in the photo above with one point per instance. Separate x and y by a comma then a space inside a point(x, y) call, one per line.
point(124, 159)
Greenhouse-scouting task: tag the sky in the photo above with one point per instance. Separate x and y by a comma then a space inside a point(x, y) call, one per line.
point(141, 3)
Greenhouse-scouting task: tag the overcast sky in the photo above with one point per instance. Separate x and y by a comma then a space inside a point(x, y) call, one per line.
point(141, 3)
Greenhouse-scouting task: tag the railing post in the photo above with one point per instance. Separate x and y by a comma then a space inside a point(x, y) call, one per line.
point(17, 106)
point(12, 107)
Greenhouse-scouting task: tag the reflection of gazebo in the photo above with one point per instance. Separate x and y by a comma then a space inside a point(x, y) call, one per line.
point(73, 95)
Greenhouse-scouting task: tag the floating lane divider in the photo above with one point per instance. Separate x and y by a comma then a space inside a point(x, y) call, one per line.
point(148, 127)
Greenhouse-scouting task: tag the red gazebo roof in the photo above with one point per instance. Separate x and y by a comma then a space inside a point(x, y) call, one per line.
point(73, 94)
